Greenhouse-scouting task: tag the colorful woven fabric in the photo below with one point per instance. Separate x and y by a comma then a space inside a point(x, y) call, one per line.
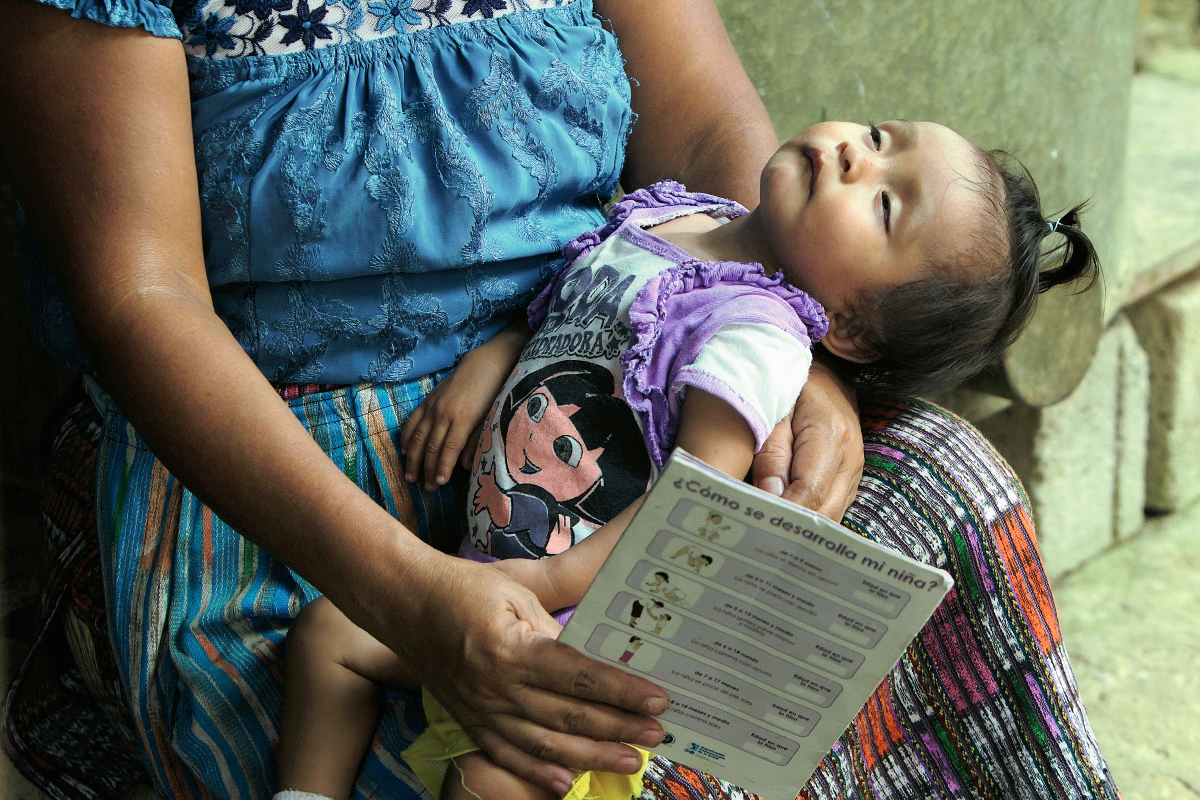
point(982, 705)
point(65, 719)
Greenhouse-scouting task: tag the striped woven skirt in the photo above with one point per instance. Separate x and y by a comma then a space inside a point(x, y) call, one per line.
point(982, 704)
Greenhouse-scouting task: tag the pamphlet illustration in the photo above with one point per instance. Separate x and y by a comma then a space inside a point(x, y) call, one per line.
point(767, 624)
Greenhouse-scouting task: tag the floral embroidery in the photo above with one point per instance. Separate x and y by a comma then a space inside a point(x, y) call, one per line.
point(305, 26)
point(233, 28)
point(260, 8)
point(403, 319)
point(457, 170)
point(310, 323)
point(499, 92)
point(485, 7)
point(213, 34)
point(392, 13)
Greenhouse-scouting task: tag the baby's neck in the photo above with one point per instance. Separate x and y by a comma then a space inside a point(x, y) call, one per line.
point(703, 237)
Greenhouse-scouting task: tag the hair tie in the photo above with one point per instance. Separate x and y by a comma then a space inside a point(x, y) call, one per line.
point(1053, 225)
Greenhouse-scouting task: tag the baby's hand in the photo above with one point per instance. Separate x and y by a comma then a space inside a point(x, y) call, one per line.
point(451, 415)
point(448, 419)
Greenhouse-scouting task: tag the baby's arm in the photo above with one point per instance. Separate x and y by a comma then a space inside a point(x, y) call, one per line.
point(710, 429)
point(441, 427)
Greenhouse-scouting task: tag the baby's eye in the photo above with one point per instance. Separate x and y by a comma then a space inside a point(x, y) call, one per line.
point(887, 212)
point(876, 136)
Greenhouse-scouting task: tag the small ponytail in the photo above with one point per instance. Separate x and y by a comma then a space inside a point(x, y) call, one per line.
point(1079, 258)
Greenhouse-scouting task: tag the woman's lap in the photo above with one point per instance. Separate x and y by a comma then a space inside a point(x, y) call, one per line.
point(198, 615)
point(982, 704)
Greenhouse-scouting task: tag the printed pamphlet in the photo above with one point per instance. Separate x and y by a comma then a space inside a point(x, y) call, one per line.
point(768, 625)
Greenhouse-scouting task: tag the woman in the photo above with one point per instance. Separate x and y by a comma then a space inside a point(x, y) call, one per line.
point(379, 187)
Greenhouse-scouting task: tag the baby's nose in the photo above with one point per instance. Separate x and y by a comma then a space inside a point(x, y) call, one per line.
point(855, 163)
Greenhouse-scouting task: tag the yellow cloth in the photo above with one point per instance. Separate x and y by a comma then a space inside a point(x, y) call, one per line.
point(444, 740)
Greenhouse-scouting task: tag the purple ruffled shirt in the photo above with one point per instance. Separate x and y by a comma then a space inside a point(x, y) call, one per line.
point(676, 313)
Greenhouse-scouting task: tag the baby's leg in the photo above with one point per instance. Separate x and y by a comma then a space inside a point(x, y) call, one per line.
point(332, 700)
point(474, 775)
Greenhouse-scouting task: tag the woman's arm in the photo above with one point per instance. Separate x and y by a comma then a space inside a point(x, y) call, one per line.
point(96, 132)
point(701, 122)
point(710, 429)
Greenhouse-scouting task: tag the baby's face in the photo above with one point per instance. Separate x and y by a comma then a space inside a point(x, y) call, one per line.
point(848, 208)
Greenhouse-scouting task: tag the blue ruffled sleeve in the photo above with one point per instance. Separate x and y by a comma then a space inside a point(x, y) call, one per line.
point(155, 17)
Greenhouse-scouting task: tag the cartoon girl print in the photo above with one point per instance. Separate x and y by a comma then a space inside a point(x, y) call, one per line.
point(573, 452)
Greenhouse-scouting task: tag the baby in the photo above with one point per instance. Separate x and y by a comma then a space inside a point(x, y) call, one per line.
point(911, 254)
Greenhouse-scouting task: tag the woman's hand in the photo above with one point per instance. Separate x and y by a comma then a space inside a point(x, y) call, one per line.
point(815, 458)
point(489, 655)
point(450, 416)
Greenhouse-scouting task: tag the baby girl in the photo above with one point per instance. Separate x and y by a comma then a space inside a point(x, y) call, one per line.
point(913, 257)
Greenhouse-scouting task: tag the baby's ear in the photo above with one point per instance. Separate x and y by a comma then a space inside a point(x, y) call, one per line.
point(844, 339)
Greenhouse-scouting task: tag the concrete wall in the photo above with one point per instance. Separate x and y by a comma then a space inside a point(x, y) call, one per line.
point(1046, 81)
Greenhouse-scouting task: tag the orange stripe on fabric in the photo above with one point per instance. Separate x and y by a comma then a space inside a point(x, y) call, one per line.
point(389, 461)
point(1013, 536)
point(158, 548)
point(874, 735)
point(877, 725)
point(210, 650)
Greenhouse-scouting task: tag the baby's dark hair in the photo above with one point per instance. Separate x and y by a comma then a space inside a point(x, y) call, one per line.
point(931, 334)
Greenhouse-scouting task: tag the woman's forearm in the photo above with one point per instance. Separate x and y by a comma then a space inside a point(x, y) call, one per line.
point(106, 174)
point(700, 119)
point(210, 416)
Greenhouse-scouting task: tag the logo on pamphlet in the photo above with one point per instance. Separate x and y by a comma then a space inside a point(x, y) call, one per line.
point(702, 751)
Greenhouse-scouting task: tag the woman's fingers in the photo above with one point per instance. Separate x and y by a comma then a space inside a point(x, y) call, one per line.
point(773, 462)
point(590, 722)
point(581, 752)
point(553, 776)
point(565, 671)
point(433, 451)
point(816, 458)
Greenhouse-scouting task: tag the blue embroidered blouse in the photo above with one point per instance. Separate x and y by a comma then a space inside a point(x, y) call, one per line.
point(384, 183)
